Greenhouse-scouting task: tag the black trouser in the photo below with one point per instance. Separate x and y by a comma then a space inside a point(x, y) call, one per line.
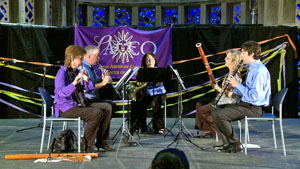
point(139, 113)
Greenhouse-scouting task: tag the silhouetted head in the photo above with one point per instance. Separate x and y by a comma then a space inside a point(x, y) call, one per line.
point(170, 158)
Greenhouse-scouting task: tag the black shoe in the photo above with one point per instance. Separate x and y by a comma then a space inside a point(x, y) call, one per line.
point(104, 146)
point(144, 129)
point(232, 148)
point(219, 147)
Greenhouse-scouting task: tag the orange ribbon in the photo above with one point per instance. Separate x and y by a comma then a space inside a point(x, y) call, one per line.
point(223, 52)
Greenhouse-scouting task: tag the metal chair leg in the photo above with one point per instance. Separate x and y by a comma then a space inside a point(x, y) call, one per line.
point(43, 136)
point(78, 135)
point(50, 135)
point(246, 134)
point(282, 138)
point(274, 134)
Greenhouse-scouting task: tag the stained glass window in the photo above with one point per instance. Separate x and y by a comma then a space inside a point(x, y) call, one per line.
point(4, 11)
point(50, 12)
point(29, 11)
point(80, 15)
point(298, 13)
point(215, 15)
point(193, 15)
point(147, 17)
point(170, 16)
point(99, 16)
point(237, 10)
point(123, 16)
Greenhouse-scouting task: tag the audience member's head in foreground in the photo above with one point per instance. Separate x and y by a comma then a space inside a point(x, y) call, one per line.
point(170, 158)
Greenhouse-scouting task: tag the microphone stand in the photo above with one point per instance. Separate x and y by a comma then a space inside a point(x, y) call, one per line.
point(40, 125)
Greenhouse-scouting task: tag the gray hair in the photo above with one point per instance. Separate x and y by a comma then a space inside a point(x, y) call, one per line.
point(90, 49)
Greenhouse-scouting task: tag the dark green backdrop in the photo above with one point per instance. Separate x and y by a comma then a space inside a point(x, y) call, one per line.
point(45, 44)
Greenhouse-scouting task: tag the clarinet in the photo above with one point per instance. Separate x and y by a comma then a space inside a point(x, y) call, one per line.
point(226, 85)
point(103, 70)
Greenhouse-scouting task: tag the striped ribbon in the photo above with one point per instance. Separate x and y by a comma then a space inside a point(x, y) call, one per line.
point(280, 49)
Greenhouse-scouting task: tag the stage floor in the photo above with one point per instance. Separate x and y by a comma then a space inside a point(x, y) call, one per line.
point(140, 157)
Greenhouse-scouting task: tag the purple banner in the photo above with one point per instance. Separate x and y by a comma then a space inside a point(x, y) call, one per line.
point(122, 47)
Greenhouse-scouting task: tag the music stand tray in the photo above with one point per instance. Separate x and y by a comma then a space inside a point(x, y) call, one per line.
point(153, 75)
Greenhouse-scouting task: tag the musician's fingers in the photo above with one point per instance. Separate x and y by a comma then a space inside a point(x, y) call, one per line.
point(106, 72)
point(78, 76)
point(85, 77)
point(228, 80)
point(82, 71)
point(77, 79)
point(85, 73)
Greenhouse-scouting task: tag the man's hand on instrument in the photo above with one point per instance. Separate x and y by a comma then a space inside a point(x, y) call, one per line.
point(105, 79)
point(231, 80)
point(106, 72)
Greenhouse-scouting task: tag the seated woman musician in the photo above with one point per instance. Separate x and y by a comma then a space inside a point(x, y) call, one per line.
point(150, 93)
point(204, 119)
point(71, 102)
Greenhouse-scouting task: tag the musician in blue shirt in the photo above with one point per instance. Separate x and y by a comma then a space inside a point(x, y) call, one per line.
point(91, 58)
point(152, 93)
point(255, 93)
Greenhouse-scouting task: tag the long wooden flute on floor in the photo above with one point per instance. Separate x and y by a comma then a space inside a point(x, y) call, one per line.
point(53, 155)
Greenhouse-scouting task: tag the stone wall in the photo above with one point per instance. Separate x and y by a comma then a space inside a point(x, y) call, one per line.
point(64, 12)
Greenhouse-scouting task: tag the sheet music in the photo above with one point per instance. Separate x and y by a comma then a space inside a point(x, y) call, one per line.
point(178, 78)
point(123, 78)
point(135, 69)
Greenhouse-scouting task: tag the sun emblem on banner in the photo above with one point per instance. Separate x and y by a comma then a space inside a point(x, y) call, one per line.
point(123, 47)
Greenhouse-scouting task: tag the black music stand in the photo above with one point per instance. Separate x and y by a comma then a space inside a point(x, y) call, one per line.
point(121, 83)
point(181, 87)
point(154, 75)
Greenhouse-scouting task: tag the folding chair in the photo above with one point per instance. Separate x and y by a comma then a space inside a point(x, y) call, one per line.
point(276, 103)
point(48, 103)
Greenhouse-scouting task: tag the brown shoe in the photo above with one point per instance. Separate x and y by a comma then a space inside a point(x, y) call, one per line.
point(104, 146)
point(83, 144)
point(90, 149)
point(206, 134)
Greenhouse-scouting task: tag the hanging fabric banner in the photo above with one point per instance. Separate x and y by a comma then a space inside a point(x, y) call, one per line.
point(122, 47)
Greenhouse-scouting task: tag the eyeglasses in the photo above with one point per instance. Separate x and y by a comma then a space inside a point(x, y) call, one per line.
point(81, 58)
